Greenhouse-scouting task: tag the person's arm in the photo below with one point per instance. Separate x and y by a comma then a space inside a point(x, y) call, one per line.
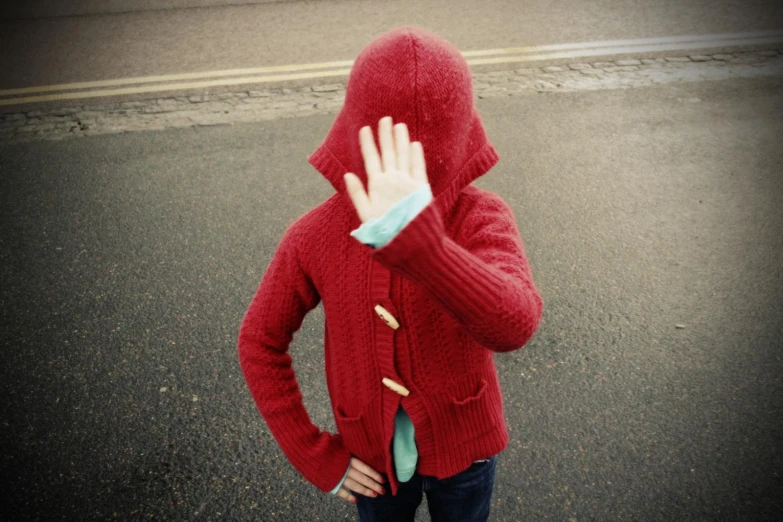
point(340, 484)
point(285, 295)
point(486, 284)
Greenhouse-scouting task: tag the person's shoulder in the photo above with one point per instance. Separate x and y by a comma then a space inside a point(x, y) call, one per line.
point(475, 202)
point(314, 217)
point(479, 211)
point(306, 230)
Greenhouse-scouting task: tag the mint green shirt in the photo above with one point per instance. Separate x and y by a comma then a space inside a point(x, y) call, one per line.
point(377, 232)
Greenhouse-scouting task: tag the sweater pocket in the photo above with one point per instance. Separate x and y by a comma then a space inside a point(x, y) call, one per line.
point(353, 430)
point(474, 414)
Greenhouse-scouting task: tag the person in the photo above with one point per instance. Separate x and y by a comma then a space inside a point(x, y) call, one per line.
point(423, 279)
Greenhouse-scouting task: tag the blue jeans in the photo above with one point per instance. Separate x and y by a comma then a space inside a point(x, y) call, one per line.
point(464, 497)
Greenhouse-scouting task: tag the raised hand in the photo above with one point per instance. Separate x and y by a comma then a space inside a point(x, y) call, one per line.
point(399, 171)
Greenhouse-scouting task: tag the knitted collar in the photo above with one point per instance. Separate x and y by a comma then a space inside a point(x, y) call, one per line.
point(420, 79)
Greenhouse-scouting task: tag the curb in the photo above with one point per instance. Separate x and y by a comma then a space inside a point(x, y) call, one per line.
point(226, 108)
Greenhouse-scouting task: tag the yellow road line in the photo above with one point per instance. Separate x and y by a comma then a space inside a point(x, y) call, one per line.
point(601, 51)
point(174, 77)
point(171, 87)
point(709, 38)
point(507, 55)
point(715, 38)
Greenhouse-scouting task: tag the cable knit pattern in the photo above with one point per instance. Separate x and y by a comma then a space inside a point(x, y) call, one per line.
point(376, 233)
point(455, 278)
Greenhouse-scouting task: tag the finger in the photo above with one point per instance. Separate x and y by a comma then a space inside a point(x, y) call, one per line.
point(402, 143)
point(387, 144)
point(418, 165)
point(372, 163)
point(365, 481)
point(344, 493)
point(355, 190)
point(366, 469)
point(356, 486)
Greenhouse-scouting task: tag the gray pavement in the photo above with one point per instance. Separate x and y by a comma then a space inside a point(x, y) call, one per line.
point(652, 390)
point(45, 9)
point(228, 108)
point(98, 44)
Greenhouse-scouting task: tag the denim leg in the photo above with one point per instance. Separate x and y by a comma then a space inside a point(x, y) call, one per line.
point(464, 497)
point(386, 508)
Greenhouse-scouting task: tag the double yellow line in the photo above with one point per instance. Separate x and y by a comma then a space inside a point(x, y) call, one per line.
point(188, 81)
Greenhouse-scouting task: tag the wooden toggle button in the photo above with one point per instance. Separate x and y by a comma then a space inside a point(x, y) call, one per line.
point(402, 390)
point(387, 317)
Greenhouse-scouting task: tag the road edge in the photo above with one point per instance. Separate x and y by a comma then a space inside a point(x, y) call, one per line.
point(226, 108)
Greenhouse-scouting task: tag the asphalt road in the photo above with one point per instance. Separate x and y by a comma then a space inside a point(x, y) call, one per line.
point(54, 42)
point(128, 261)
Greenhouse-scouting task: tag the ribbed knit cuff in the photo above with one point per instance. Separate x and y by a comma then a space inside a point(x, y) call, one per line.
point(339, 484)
point(421, 235)
point(318, 455)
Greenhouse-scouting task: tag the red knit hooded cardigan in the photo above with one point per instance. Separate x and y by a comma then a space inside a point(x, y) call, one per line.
point(456, 279)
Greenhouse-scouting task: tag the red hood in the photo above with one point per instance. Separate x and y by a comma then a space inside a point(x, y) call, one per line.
point(420, 79)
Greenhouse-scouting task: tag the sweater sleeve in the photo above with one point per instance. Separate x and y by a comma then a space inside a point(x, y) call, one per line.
point(285, 295)
point(340, 484)
point(486, 284)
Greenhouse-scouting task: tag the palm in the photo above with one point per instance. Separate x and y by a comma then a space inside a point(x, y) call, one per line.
point(398, 172)
point(387, 189)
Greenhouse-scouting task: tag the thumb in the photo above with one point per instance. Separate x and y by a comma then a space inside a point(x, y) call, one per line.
point(355, 190)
